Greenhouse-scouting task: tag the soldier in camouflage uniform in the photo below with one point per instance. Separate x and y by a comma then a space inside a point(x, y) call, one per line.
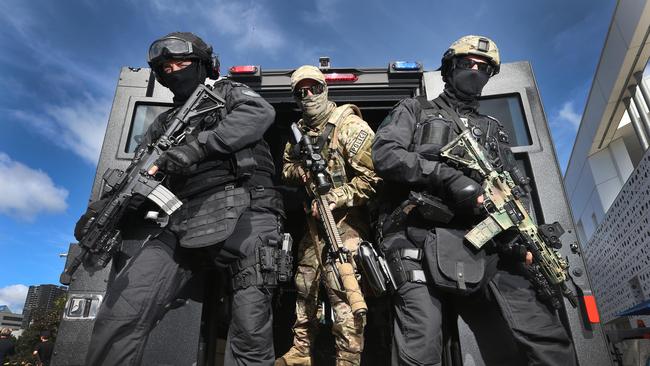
point(345, 140)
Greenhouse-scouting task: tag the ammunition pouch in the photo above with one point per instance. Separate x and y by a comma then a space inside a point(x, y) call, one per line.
point(453, 265)
point(270, 265)
point(211, 218)
point(400, 275)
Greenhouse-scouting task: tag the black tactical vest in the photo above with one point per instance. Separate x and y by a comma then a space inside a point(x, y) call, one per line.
point(452, 265)
point(215, 192)
point(435, 129)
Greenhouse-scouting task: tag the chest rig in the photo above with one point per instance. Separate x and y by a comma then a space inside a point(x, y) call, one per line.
point(216, 191)
point(328, 144)
point(439, 124)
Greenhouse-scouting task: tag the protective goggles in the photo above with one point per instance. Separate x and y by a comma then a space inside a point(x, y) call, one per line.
point(468, 64)
point(302, 93)
point(174, 47)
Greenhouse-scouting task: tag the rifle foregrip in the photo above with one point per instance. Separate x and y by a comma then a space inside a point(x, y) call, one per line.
point(352, 290)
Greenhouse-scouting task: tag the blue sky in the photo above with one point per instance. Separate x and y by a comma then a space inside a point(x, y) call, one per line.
point(60, 61)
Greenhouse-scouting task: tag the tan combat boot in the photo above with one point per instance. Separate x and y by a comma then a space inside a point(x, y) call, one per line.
point(294, 357)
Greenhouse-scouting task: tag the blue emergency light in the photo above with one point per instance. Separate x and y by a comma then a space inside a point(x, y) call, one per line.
point(406, 66)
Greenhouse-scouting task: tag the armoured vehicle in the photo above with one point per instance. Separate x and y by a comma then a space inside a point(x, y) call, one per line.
point(192, 332)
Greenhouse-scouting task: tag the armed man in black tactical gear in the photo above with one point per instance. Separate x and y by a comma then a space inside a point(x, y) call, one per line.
point(230, 216)
point(434, 267)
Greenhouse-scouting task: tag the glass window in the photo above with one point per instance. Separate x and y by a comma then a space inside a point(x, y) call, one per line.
point(143, 117)
point(509, 111)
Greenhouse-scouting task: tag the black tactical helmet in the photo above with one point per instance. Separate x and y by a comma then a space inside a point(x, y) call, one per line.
point(182, 45)
point(471, 45)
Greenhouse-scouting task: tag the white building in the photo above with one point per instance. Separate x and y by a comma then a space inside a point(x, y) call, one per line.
point(608, 176)
point(9, 319)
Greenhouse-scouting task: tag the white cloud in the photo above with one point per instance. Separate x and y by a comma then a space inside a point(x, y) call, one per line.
point(327, 11)
point(16, 16)
point(64, 66)
point(78, 127)
point(568, 114)
point(14, 297)
point(26, 192)
point(246, 23)
point(564, 124)
point(249, 23)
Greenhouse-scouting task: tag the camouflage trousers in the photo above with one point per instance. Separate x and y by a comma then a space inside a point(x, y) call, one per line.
point(348, 333)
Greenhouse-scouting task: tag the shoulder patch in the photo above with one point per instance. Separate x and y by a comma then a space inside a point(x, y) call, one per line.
point(358, 142)
point(250, 93)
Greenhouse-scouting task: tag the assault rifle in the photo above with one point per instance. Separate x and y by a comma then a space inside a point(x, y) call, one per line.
point(339, 256)
point(549, 271)
point(102, 235)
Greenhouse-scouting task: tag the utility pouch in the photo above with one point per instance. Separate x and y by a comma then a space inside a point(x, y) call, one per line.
point(211, 220)
point(432, 131)
point(454, 266)
point(267, 258)
point(245, 164)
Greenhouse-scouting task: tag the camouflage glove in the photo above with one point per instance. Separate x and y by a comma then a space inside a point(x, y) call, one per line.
point(338, 200)
point(179, 158)
point(81, 227)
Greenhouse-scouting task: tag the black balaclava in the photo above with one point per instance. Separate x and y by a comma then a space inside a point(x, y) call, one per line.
point(183, 82)
point(466, 84)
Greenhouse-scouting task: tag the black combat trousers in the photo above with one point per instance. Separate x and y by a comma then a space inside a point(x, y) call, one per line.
point(141, 293)
point(507, 305)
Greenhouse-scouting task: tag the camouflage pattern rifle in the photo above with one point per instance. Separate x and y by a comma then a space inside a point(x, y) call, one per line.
point(102, 235)
point(505, 210)
point(340, 257)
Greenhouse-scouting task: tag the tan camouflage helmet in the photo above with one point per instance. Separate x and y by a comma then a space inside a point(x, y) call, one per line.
point(473, 45)
point(307, 72)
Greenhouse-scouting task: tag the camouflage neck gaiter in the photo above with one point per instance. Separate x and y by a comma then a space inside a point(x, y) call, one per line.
point(316, 109)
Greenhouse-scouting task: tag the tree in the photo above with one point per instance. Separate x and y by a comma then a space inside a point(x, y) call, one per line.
point(42, 321)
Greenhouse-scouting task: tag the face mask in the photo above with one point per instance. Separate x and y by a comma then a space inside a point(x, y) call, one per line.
point(314, 107)
point(183, 82)
point(469, 83)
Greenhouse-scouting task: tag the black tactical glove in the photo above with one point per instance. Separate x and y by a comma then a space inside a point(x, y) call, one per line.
point(509, 245)
point(178, 158)
point(459, 190)
point(464, 192)
point(80, 228)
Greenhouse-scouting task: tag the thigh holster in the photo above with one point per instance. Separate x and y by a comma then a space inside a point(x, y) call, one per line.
point(395, 260)
point(270, 265)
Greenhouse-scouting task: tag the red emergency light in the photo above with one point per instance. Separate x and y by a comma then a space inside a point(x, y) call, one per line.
point(591, 308)
point(243, 69)
point(341, 78)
